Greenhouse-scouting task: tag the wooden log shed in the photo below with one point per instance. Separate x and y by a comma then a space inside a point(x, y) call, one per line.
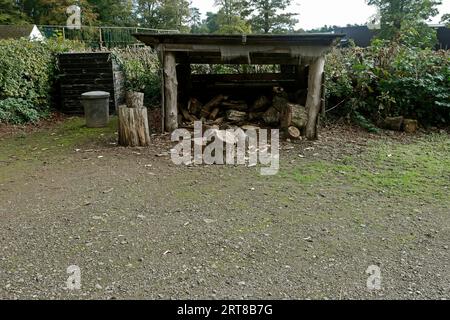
point(180, 51)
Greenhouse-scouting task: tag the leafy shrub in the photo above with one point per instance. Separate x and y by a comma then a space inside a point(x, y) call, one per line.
point(388, 79)
point(142, 71)
point(28, 72)
point(18, 111)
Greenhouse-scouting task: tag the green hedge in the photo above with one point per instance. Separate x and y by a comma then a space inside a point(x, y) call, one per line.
point(28, 72)
point(388, 79)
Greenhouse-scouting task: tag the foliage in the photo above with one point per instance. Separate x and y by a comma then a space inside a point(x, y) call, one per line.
point(388, 79)
point(405, 21)
point(17, 111)
point(53, 12)
point(230, 17)
point(27, 77)
point(267, 18)
point(113, 12)
point(232, 25)
point(163, 14)
point(446, 19)
point(10, 13)
point(233, 16)
point(141, 67)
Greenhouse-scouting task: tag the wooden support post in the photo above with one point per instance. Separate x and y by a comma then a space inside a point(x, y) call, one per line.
point(314, 100)
point(170, 92)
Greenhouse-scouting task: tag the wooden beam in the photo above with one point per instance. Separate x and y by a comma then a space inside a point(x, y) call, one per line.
point(314, 100)
point(170, 92)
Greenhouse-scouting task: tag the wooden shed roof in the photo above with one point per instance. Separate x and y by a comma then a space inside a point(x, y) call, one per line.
point(313, 39)
point(292, 49)
point(15, 32)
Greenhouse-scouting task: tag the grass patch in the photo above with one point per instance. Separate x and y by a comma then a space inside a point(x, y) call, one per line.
point(421, 168)
point(23, 151)
point(70, 134)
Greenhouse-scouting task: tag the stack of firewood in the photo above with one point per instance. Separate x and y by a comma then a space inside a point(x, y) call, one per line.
point(275, 111)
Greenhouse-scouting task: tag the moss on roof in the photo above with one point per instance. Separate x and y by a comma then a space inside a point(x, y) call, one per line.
point(15, 32)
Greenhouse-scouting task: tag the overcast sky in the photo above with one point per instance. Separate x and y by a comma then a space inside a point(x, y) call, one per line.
point(317, 13)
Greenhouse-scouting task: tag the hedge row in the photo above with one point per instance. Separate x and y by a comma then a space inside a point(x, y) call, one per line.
point(387, 79)
point(28, 72)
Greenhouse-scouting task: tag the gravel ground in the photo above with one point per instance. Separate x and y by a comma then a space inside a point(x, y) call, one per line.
point(140, 227)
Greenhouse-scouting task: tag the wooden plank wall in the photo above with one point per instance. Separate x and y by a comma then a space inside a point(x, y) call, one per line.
point(83, 72)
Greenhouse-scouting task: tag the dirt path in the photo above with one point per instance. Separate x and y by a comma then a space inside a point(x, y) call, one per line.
point(140, 227)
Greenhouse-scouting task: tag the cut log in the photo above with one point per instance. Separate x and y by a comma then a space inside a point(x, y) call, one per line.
point(261, 104)
point(410, 126)
point(214, 114)
point(236, 116)
point(278, 90)
point(133, 127)
point(236, 105)
point(293, 133)
point(187, 116)
point(393, 123)
point(171, 92)
point(219, 121)
point(272, 116)
point(194, 106)
point(286, 116)
point(134, 99)
point(252, 116)
point(314, 100)
point(299, 116)
point(207, 108)
point(280, 101)
point(250, 127)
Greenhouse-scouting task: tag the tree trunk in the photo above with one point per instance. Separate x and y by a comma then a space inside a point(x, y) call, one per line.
point(171, 92)
point(313, 102)
point(133, 127)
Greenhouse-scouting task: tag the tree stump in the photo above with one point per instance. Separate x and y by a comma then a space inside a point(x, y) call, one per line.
point(135, 99)
point(133, 127)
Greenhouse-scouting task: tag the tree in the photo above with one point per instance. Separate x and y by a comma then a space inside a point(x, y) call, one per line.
point(268, 17)
point(53, 12)
point(208, 25)
point(114, 12)
point(164, 14)
point(231, 17)
point(405, 20)
point(446, 19)
point(195, 20)
point(10, 13)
